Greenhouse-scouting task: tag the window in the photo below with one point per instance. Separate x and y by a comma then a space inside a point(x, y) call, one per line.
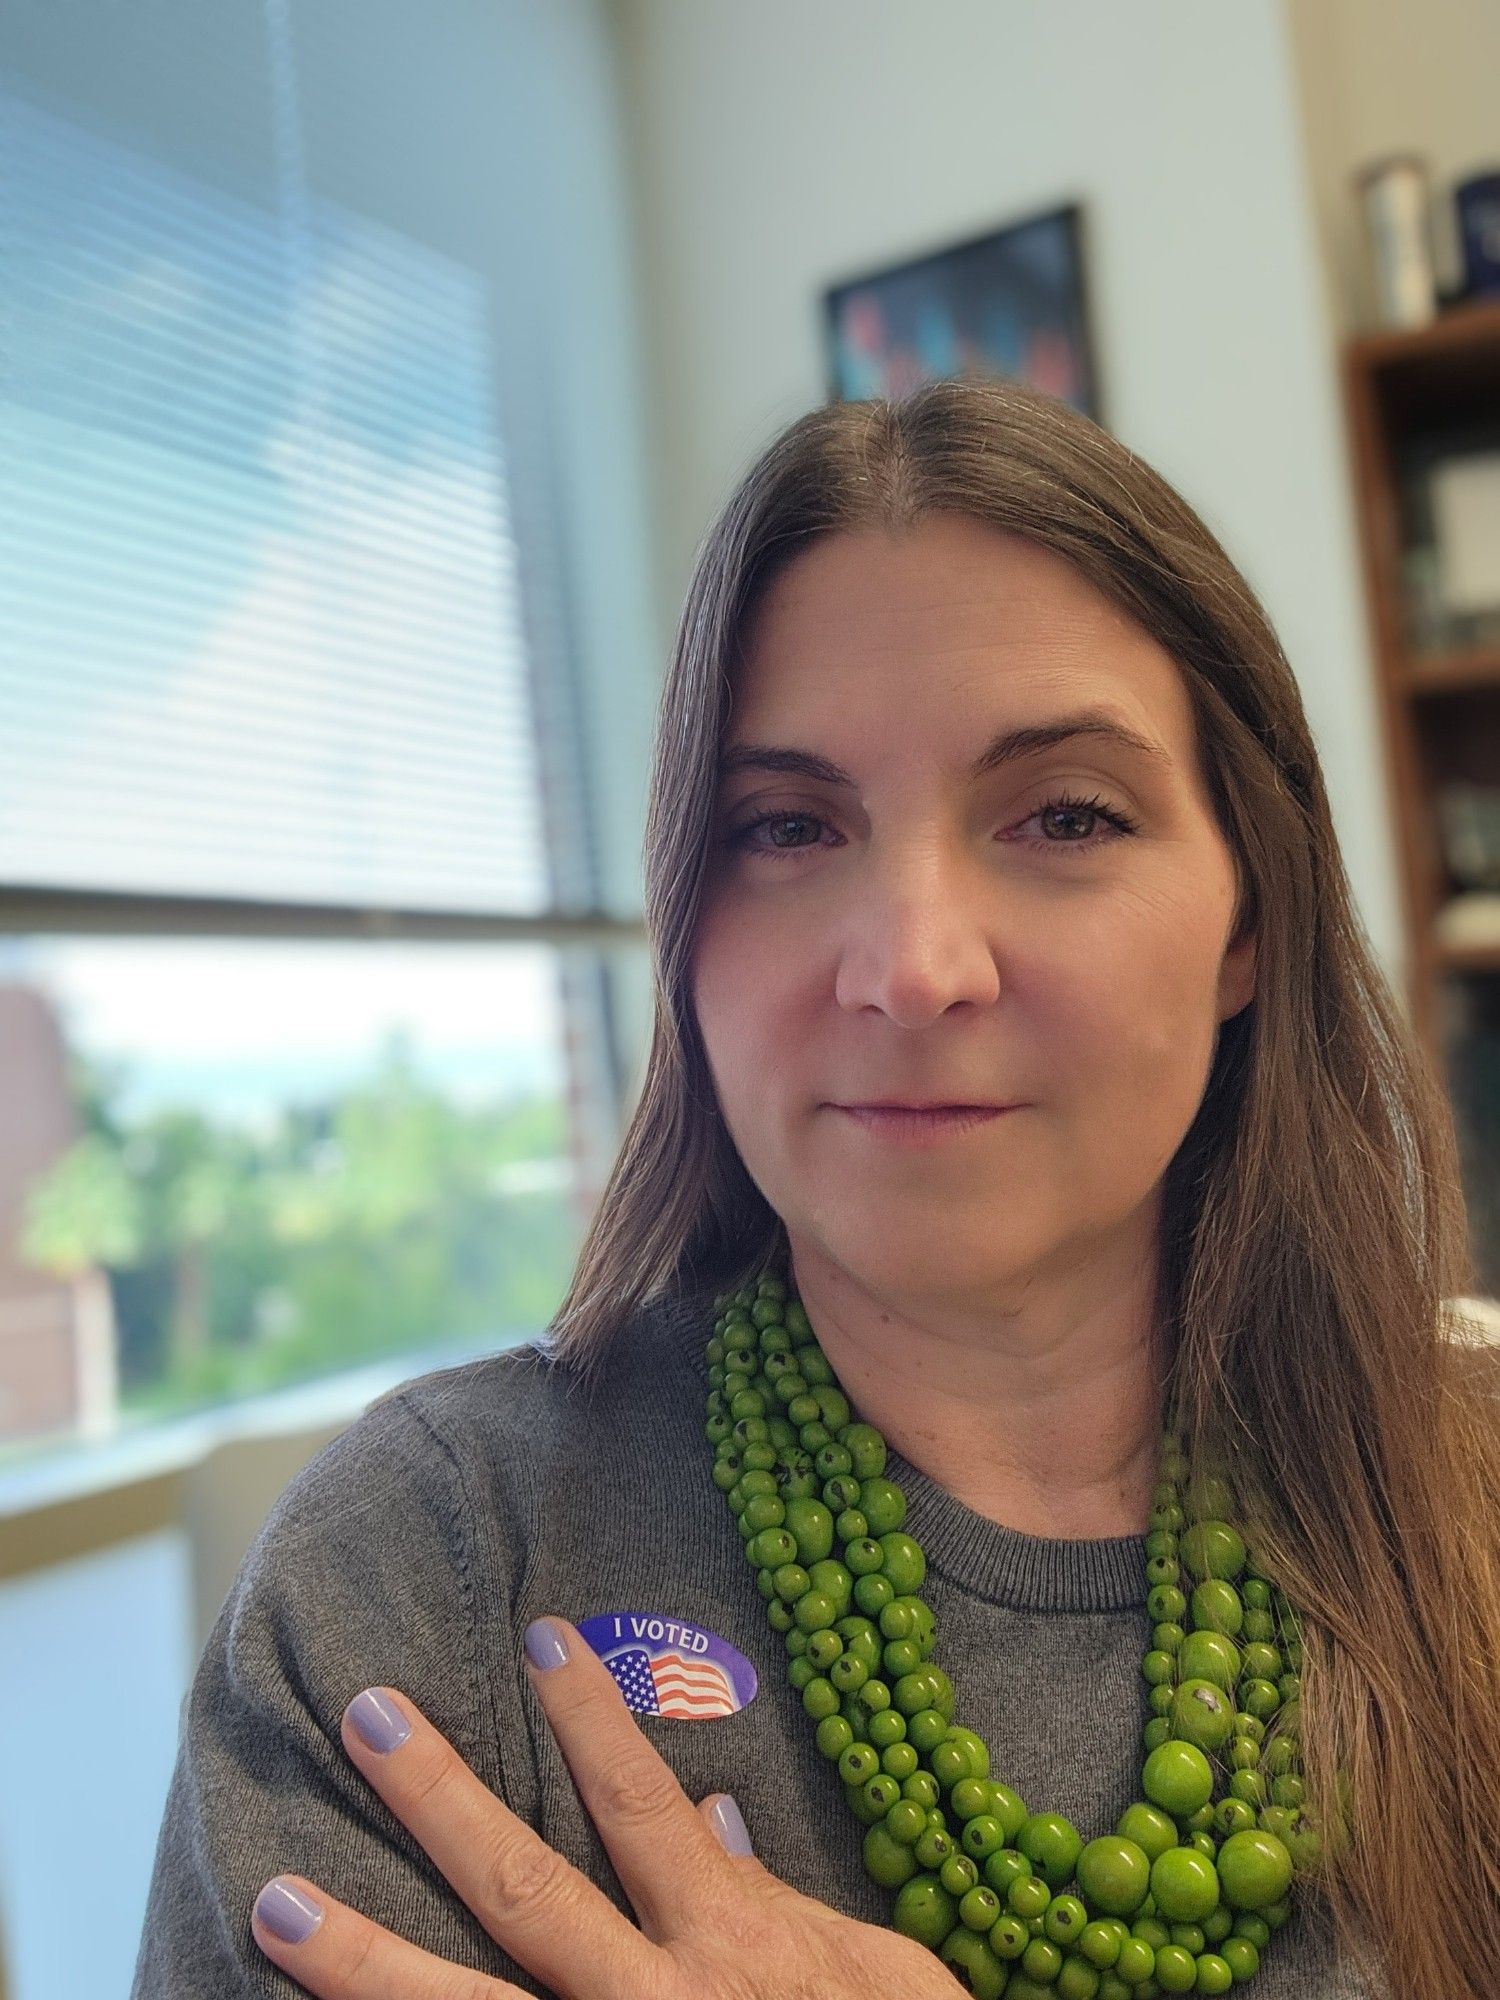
point(312, 898)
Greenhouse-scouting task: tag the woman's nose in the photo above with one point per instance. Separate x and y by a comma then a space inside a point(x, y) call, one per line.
point(915, 944)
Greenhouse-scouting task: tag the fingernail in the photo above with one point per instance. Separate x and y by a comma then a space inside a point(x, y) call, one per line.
point(728, 1823)
point(377, 1720)
point(287, 1911)
point(545, 1644)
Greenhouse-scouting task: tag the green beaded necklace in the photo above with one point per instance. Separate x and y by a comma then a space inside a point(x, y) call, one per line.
point(1184, 1895)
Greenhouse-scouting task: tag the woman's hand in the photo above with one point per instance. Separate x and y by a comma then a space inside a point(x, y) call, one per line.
point(713, 1925)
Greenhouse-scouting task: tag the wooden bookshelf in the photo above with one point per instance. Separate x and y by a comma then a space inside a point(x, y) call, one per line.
point(1413, 397)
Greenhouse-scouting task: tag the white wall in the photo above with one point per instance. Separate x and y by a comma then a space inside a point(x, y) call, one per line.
point(779, 148)
point(1382, 76)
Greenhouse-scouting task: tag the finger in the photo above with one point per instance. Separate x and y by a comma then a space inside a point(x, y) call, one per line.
point(662, 1850)
point(544, 1912)
point(344, 1956)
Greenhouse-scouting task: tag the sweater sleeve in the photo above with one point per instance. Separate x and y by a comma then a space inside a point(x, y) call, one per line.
point(362, 1575)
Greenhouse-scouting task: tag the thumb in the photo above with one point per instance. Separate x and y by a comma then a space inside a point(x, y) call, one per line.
point(725, 1821)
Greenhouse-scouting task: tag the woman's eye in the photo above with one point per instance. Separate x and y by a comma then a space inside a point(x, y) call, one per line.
point(1092, 814)
point(742, 837)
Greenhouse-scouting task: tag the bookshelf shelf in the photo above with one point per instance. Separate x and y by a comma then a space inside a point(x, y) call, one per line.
point(1414, 398)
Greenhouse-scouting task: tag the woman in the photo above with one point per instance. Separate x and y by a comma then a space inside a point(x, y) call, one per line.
point(981, 780)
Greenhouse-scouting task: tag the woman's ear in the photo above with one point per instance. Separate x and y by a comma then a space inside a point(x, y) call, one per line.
point(1237, 975)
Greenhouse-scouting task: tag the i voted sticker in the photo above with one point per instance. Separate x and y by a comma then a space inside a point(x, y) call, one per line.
point(665, 1666)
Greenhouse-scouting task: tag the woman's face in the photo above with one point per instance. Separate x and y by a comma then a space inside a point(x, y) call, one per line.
point(908, 928)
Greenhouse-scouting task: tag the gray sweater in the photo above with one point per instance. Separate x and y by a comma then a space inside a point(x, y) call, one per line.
point(413, 1550)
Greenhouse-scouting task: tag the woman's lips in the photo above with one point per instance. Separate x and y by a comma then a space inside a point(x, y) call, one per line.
point(921, 1128)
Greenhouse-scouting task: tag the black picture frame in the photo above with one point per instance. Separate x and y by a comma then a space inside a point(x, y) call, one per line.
point(1013, 301)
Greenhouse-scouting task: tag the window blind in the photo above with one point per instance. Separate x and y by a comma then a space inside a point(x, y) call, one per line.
point(261, 609)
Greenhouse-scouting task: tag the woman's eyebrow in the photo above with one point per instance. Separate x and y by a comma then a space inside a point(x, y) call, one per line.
point(1002, 748)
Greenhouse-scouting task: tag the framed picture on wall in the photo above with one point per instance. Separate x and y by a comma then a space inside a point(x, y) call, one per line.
point(1011, 302)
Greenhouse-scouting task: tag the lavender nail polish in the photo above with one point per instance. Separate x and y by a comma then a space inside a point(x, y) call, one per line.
point(545, 1644)
point(377, 1720)
point(729, 1824)
point(287, 1911)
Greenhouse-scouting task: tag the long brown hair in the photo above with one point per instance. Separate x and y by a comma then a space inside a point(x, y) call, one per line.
point(1315, 1239)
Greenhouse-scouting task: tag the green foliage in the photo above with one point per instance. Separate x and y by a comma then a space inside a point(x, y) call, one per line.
point(386, 1220)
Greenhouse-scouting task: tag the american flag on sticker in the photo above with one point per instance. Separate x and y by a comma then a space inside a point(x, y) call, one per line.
point(669, 1684)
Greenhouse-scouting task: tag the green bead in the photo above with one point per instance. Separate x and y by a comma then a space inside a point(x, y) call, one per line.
point(1217, 1605)
point(1202, 1714)
point(1003, 1866)
point(906, 1822)
point(1159, 1666)
point(958, 1874)
point(858, 1762)
point(832, 1577)
point(1077, 1981)
point(873, 1592)
point(904, 1563)
point(1009, 1935)
point(979, 1756)
point(912, 1694)
point(982, 1836)
point(1260, 1699)
point(1255, 1928)
point(834, 1734)
point(867, 1811)
point(925, 1728)
point(1009, 1808)
point(1136, 1960)
point(823, 1647)
point(1209, 1656)
point(1052, 1844)
point(924, 1910)
point(887, 1728)
point(934, 1848)
point(983, 1973)
point(1185, 1884)
point(897, 1758)
point(1214, 1974)
point(1175, 1970)
point(1100, 1944)
point(815, 1609)
point(812, 1525)
point(1178, 1778)
point(901, 1656)
point(881, 1790)
point(888, 1861)
point(819, 1696)
point(1255, 1869)
point(866, 1448)
point(1114, 1873)
point(1240, 1955)
point(979, 1908)
point(1064, 1919)
point(1042, 1961)
point(1152, 1830)
point(1217, 1925)
point(1212, 1549)
point(883, 1505)
point(1028, 1896)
